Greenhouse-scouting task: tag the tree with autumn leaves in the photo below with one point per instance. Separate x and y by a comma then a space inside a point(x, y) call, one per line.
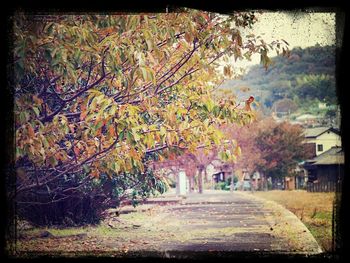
point(194, 164)
point(271, 148)
point(282, 147)
point(99, 97)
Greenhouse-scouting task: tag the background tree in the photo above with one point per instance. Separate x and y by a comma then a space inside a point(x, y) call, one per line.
point(285, 106)
point(249, 157)
point(281, 147)
point(176, 163)
point(97, 97)
point(193, 163)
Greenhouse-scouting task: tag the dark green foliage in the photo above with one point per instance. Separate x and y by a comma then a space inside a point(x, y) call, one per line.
point(226, 185)
point(220, 186)
point(76, 201)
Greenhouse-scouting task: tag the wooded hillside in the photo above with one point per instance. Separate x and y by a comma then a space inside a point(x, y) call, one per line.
point(305, 78)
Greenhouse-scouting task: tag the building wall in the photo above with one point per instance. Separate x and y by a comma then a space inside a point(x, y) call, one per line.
point(329, 173)
point(290, 183)
point(210, 171)
point(327, 140)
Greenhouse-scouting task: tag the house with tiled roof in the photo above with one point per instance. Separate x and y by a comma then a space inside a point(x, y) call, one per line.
point(321, 139)
point(318, 140)
point(325, 170)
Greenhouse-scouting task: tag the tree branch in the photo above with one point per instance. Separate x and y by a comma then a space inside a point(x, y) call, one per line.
point(44, 181)
point(177, 67)
point(65, 101)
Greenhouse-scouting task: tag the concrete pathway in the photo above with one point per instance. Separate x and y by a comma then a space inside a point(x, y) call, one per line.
point(224, 221)
point(216, 223)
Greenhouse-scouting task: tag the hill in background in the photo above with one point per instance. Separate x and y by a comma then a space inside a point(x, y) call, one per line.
point(296, 87)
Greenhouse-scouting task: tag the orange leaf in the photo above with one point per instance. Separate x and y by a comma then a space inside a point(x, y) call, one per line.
point(58, 156)
point(133, 154)
point(98, 119)
point(99, 132)
point(172, 156)
point(83, 115)
point(31, 131)
point(71, 127)
point(248, 102)
point(156, 137)
point(111, 130)
point(76, 151)
point(95, 174)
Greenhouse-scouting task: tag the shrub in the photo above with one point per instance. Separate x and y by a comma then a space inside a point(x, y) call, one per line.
point(80, 200)
point(220, 186)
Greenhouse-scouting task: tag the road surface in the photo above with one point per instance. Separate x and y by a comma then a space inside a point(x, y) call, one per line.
point(168, 226)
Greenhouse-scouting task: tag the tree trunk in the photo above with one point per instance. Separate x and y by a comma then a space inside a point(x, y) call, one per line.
point(191, 180)
point(251, 184)
point(266, 182)
point(206, 176)
point(200, 181)
point(177, 184)
point(232, 183)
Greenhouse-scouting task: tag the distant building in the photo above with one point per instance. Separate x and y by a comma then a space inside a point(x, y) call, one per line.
point(289, 183)
point(325, 170)
point(321, 139)
point(308, 119)
point(318, 140)
point(219, 171)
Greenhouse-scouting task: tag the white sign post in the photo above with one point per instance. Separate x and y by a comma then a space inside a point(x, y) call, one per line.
point(182, 183)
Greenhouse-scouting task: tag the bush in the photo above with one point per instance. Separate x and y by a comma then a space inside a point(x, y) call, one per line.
point(78, 201)
point(222, 186)
point(228, 180)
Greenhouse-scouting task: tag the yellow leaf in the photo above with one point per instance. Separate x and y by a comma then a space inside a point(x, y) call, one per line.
point(162, 131)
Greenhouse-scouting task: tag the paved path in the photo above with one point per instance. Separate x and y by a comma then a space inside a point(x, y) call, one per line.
point(225, 221)
point(216, 222)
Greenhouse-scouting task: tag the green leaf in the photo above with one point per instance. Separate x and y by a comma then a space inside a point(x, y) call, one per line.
point(52, 161)
point(129, 137)
point(116, 167)
point(144, 73)
point(45, 142)
point(86, 168)
point(151, 75)
point(121, 136)
point(209, 104)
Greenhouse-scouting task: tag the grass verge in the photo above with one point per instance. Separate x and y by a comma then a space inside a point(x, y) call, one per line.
point(313, 209)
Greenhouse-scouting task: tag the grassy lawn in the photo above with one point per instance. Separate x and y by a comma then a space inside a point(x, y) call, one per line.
point(314, 210)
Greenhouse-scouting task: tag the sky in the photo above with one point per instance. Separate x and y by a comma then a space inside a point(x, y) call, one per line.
point(301, 29)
